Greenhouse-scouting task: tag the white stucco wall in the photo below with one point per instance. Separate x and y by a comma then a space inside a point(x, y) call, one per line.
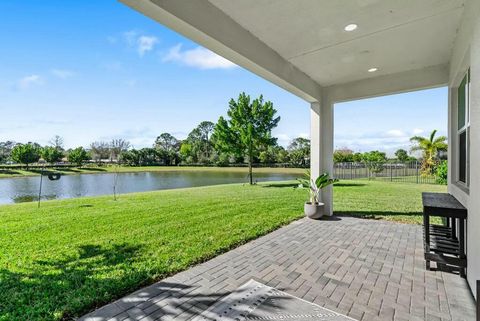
point(473, 242)
point(466, 55)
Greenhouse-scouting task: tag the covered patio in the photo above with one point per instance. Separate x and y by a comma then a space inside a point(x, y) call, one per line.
point(328, 52)
point(334, 51)
point(365, 269)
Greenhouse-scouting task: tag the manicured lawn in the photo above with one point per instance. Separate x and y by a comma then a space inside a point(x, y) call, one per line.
point(70, 256)
point(7, 173)
point(400, 202)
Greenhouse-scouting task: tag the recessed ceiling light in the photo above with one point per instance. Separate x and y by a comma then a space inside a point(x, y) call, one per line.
point(350, 27)
point(372, 69)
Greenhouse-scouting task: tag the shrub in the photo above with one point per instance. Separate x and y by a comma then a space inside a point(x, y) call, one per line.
point(441, 173)
point(374, 161)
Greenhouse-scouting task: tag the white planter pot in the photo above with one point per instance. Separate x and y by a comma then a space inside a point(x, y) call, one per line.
point(314, 210)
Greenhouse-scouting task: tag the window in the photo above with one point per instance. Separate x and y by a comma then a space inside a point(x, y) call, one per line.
point(462, 157)
point(463, 129)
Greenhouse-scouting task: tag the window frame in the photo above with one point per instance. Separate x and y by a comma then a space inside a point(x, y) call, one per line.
point(465, 129)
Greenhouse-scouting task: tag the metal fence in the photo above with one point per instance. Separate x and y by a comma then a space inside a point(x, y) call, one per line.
point(409, 172)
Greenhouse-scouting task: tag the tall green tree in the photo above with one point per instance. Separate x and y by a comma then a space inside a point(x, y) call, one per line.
point(402, 155)
point(26, 153)
point(374, 161)
point(168, 148)
point(247, 129)
point(6, 150)
point(51, 154)
point(117, 146)
point(199, 139)
point(186, 152)
point(205, 130)
point(429, 146)
point(100, 150)
point(282, 155)
point(78, 156)
point(140, 157)
point(357, 157)
point(271, 154)
point(299, 151)
point(343, 155)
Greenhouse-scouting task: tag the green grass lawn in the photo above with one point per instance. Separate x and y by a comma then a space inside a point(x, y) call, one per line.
point(8, 173)
point(375, 199)
point(70, 256)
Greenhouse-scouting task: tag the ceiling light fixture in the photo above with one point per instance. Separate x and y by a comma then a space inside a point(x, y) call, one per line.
point(350, 27)
point(372, 69)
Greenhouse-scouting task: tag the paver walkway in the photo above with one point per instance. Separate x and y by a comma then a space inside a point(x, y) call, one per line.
point(366, 269)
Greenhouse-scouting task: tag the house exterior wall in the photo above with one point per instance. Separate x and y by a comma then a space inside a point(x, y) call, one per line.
point(466, 55)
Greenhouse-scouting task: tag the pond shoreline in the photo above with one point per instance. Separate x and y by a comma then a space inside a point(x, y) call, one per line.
point(27, 188)
point(6, 173)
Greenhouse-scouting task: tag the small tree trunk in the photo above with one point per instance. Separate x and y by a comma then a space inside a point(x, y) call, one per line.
point(250, 161)
point(250, 171)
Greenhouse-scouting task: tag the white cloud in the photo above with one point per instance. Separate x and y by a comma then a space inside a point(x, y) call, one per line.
point(142, 43)
point(28, 81)
point(418, 131)
point(387, 141)
point(198, 57)
point(62, 73)
point(145, 44)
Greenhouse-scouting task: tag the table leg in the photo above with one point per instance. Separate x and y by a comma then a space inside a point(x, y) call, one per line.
point(454, 228)
point(461, 244)
point(426, 228)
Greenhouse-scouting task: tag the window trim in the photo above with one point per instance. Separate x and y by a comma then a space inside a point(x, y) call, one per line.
point(465, 129)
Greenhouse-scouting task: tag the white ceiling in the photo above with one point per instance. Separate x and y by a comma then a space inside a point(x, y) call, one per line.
point(393, 35)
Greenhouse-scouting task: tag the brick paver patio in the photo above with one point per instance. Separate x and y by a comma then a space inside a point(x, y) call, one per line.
point(366, 269)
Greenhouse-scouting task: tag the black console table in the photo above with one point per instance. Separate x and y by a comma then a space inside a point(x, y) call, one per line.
point(445, 244)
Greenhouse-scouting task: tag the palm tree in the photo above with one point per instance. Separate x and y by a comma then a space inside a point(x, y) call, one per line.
point(430, 146)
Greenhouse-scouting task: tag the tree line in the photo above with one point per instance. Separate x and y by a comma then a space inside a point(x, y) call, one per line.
point(243, 136)
point(198, 148)
point(433, 158)
point(346, 155)
point(166, 150)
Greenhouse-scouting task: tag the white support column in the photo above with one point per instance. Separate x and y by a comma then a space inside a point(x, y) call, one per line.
point(321, 146)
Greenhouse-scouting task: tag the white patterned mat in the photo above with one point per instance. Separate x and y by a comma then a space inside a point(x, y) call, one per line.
point(256, 301)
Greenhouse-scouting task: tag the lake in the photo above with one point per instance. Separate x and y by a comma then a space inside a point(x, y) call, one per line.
point(25, 189)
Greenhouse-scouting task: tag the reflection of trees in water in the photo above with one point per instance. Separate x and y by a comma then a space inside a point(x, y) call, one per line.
point(32, 198)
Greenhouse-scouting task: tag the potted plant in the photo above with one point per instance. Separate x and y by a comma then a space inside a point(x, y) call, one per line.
point(314, 208)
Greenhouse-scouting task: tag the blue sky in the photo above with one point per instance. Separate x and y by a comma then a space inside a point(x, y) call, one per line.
point(97, 70)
